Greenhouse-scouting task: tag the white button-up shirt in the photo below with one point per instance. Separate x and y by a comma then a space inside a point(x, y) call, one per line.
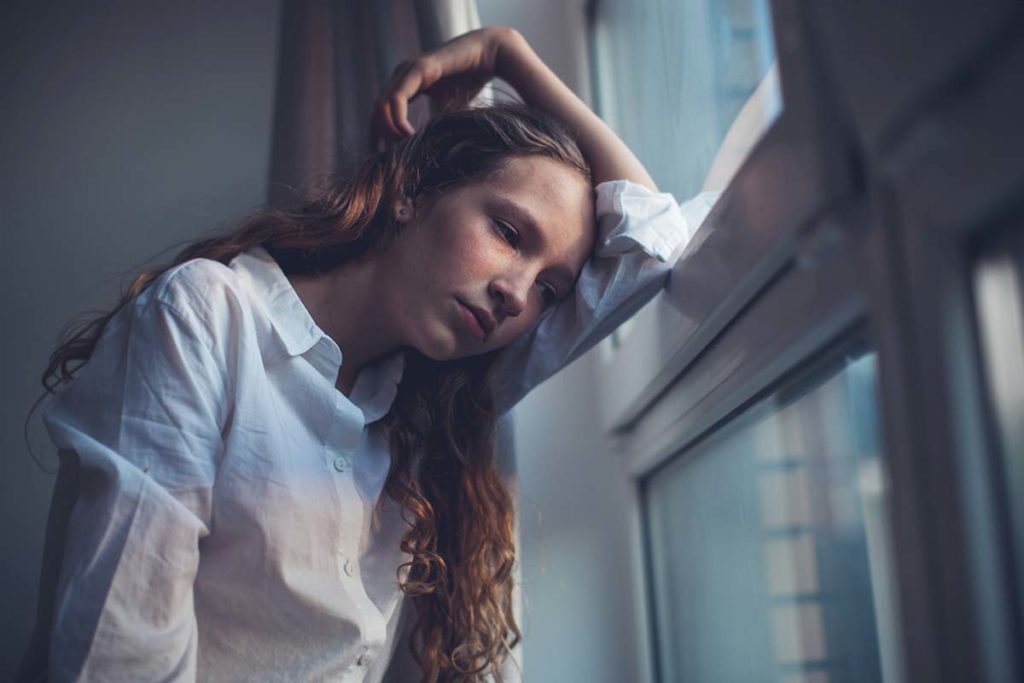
point(224, 525)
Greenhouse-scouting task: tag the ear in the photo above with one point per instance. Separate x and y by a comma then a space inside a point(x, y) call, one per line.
point(404, 210)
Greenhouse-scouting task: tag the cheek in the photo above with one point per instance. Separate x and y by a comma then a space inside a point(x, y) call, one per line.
point(515, 328)
point(433, 263)
point(454, 256)
point(470, 261)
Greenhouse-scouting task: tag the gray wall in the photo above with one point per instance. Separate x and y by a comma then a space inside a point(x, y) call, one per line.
point(125, 128)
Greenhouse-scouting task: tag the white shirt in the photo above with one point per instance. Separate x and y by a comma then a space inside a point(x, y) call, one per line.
point(223, 530)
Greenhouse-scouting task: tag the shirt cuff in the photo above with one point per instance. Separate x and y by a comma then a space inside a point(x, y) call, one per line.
point(632, 217)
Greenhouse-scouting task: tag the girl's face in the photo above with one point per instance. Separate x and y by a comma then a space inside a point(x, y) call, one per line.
point(475, 268)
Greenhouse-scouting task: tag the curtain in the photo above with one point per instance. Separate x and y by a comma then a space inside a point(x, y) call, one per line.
point(334, 58)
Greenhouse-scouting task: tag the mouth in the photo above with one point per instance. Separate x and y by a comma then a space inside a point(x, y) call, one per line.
point(478, 321)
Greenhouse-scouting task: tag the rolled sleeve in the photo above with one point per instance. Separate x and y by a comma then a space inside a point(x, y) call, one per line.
point(630, 218)
point(144, 418)
point(640, 234)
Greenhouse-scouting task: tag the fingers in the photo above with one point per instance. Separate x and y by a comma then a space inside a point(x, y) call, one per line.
point(410, 79)
point(383, 131)
point(390, 120)
point(407, 83)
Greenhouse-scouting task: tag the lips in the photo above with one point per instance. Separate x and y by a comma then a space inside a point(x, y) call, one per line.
point(482, 318)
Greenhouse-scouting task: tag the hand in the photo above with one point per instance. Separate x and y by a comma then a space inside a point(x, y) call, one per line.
point(452, 75)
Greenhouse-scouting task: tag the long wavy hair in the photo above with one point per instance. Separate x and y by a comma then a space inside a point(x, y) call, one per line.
point(459, 512)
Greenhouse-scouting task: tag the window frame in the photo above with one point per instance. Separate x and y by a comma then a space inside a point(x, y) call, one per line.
point(864, 197)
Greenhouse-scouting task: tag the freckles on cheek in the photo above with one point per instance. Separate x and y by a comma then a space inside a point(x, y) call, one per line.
point(474, 251)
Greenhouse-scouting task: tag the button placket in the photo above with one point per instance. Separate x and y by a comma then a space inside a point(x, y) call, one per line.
point(344, 443)
point(344, 436)
point(339, 451)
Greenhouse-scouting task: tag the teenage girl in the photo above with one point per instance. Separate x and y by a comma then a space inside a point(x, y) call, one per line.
point(273, 443)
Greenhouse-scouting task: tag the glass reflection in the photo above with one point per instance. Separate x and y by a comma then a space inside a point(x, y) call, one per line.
point(687, 85)
point(769, 544)
point(1000, 307)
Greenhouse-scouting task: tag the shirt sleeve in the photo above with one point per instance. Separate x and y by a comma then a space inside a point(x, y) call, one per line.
point(144, 417)
point(640, 235)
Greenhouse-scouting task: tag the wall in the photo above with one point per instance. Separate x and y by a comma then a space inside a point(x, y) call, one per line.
point(126, 127)
point(577, 530)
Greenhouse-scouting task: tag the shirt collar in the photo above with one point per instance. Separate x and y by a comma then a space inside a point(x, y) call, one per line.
point(377, 384)
point(288, 315)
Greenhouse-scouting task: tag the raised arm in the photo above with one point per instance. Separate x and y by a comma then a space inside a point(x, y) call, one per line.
point(453, 73)
point(537, 84)
point(640, 231)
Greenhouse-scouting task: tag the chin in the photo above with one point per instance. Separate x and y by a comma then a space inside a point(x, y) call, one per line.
point(434, 354)
point(441, 352)
point(439, 347)
point(443, 344)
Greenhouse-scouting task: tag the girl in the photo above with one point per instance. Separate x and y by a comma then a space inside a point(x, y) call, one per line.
point(287, 433)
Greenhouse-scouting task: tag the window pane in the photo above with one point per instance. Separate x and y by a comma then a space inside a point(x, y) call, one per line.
point(1000, 306)
point(671, 76)
point(769, 546)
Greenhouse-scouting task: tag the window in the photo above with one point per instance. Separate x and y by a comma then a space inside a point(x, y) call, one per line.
point(691, 88)
point(998, 280)
point(768, 544)
point(710, 57)
point(766, 501)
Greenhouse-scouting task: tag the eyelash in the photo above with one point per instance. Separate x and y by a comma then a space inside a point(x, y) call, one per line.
point(507, 232)
point(550, 295)
point(510, 235)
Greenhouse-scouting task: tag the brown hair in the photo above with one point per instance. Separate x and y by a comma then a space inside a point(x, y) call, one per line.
point(459, 511)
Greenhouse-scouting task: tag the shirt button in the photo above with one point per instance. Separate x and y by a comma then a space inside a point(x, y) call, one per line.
point(340, 464)
point(349, 567)
point(364, 659)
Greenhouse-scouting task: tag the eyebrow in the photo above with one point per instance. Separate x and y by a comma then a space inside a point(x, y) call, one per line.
point(522, 216)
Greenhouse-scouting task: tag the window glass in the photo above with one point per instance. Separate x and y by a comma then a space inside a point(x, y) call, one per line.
point(672, 76)
point(999, 302)
point(768, 543)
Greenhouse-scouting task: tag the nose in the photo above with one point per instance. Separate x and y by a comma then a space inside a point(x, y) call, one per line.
point(511, 295)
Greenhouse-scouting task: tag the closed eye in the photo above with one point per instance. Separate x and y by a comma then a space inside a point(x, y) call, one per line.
point(549, 293)
point(507, 232)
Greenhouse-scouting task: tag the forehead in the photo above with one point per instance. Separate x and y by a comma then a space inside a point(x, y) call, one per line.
point(557, 198)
